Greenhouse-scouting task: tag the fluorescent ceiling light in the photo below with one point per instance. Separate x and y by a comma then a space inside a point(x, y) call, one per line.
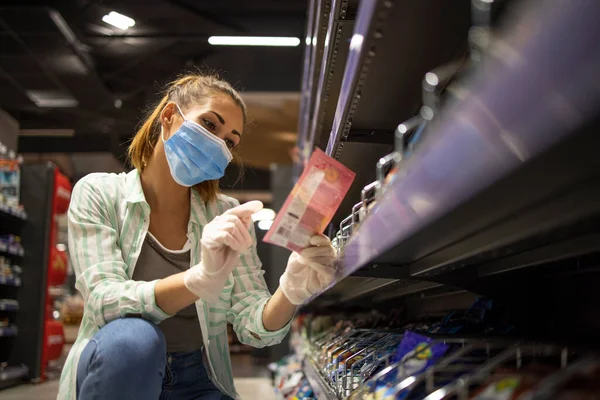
point(51, 99)
point(265, 225)
point(263, 215)
point(119, 20)
point(253, 41)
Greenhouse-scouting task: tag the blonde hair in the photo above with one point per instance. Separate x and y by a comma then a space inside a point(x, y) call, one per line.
point(185, 91)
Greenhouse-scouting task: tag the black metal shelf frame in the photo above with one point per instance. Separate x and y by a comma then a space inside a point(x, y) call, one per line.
point(496, 169)
point(320, 387)
point(335, 50)
point(390, 53)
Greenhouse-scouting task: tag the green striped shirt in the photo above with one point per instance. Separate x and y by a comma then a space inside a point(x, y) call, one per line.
point(108, 221)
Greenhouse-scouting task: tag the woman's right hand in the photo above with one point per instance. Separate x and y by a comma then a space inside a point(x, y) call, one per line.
point(223, 240)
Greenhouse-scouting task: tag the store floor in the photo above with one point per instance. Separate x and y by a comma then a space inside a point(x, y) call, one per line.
point(251, 381)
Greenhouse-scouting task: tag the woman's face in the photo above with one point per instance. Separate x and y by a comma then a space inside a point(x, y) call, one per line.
point(219, 115)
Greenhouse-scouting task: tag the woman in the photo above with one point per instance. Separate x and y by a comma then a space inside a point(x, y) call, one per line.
point(164, 262)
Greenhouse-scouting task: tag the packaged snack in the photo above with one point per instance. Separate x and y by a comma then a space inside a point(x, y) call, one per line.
point(468, 321)
point(502, 389)
point(510, 383)
point(304, 391)
point(416, 353)
point(312, 203)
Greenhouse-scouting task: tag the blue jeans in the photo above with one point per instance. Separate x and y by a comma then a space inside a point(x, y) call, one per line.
point(127, 359)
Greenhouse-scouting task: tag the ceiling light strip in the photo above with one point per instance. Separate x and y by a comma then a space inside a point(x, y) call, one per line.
point(279, 41)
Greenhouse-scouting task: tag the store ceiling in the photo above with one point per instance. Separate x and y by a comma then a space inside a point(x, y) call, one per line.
point(64, 50)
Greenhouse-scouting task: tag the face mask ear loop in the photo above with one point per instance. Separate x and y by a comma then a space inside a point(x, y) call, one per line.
point(180, 112)
point(162, 133)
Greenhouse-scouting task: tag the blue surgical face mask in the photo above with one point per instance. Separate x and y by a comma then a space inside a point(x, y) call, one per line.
point(195, 155)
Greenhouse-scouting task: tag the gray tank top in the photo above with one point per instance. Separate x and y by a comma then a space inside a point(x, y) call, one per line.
point(182, 331)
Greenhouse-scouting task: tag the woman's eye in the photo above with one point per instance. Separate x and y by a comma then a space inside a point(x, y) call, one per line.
point(209, 124)
point(230, 143)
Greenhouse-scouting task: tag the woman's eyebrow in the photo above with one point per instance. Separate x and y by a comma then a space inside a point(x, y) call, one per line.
point(221, 120)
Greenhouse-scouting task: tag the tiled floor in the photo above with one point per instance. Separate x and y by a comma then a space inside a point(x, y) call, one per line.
point(248, 388)
point(251, 381)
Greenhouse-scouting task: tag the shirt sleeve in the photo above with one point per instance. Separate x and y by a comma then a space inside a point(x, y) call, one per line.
point(248, 300)
point(101, 274)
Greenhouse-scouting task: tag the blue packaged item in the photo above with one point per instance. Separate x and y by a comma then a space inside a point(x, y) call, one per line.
point(416, 353)
point(304, 391)
point(472, 320)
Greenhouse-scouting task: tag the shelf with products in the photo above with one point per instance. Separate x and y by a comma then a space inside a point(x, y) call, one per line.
point(13, 372)
point(464, 353)
point(11, 212)
point(10, 281)
point(498, 180)
point(8, 331)
point(10, 245)
point(12, 375)
point(482, 183)
point(9, 305)
point(320, 387)
point(10, 175)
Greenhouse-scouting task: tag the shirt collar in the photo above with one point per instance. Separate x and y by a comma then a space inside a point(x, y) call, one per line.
point(133, 188)
point(135, 194)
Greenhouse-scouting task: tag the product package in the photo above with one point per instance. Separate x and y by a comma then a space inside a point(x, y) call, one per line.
point(312, 203)
point(415, 354)
point(511, 383)
point(10, 178)
point(303, 392)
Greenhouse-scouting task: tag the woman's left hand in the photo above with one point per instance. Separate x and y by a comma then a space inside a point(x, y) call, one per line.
point(310, 271)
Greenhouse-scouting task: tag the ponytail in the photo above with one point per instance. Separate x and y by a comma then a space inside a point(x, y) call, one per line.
point(142, 146)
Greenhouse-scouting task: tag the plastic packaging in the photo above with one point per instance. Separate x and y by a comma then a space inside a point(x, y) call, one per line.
point(312, 203)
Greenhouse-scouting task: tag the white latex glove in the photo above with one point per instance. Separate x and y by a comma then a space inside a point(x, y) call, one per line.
point(309, 271)
point(223, 240)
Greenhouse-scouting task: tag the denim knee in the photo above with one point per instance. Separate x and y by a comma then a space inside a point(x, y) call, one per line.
point(135, 341)
point(125, 359)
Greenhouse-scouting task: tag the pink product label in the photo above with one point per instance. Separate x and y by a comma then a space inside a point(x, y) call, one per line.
point(312, 203)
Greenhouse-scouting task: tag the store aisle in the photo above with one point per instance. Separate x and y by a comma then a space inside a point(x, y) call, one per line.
point(252, 382)
point(43, 391)
point(248, 388)
point(255, 388)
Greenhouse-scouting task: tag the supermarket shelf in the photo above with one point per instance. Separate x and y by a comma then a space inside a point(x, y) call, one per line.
point(368, 286)
point(8, 331)
point(9, 305)
point(10, 281)
point(318, 384)
point(335, 51)
point(356, 289)
point(11, 251)
point(8, 212)
point(391, 52)
point(11, 373)
point(495, 171)
point(316, 30)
